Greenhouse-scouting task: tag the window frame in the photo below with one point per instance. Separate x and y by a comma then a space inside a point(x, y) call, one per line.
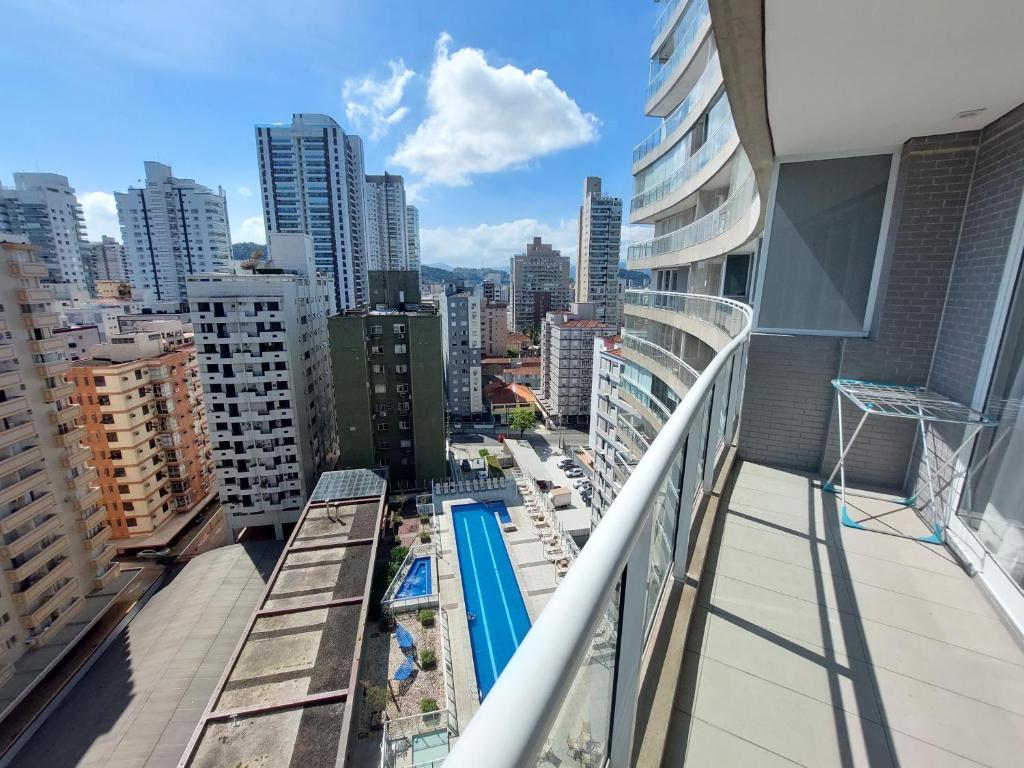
point(880, 248)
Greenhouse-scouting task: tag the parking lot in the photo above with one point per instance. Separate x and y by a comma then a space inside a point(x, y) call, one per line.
point(539, 459)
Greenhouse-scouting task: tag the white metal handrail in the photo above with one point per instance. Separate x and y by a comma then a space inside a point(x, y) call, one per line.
point(514, 722)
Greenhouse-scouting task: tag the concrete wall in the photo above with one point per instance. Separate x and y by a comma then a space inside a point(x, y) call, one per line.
point(953, 211)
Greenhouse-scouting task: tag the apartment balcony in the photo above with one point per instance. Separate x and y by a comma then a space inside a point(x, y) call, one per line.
point(82, 483)
point(45, 503)
point(35, 295)
point(75, 456)
point(20, 460)
point(675, 193)
point(666, 23)
point(58, 392)
point(711, 319)
point(52, 344)
point(17, 434)
point(726, 228)
point(56, 368)
point(40, 319)
point(59, 546)
point(33, 482)
point(103, 559)
point(663, 363)
point(85, 499)
point(51, 603)
point(93, 518)
point(13, 405)
point(99, 537)
point(70, 438)
point(66, 415)
point(667, 86)
point(25, 541)
point(682, 119)
point(7, 353)
point(66, 615)
point(28, 269)
point(107, 577)
point(10, 380)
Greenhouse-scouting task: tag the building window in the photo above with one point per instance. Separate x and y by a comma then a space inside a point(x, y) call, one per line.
point(823, 245)
point(400, 349)
point(382, 427)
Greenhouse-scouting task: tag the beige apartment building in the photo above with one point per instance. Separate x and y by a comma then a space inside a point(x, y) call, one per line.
point(494, 330)
point(142, 409)
point(54, 541)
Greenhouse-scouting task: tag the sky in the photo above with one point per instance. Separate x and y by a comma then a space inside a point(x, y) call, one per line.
point(493, 112)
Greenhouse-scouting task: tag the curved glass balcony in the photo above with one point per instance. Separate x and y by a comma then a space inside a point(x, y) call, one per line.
point(709, 80)
point(683, 372)
point(714, 223)
point(724, 314)
point(685, 36)
point(696, 162)
point(670, 8)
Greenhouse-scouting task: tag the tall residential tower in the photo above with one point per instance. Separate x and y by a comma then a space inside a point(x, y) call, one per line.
point(540, 284)
point(597, 259)
point(387, 234)
point(312, 180)
point(172, 228)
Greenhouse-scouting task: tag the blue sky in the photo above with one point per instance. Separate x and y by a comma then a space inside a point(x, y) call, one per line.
point(444, 93)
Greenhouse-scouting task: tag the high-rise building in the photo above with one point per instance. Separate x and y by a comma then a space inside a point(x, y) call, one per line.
point(266, 371)
point(494, 328)
point(389, 383)
point(43, 206)
point(412, 228)
point(597, 255)
point(566, 360)
point(461, 342)
point(104, 261)
point(55, 548)
point(171, 228)
point(312, 179)
point(145, 421)
point(387, 234)
point(540, 284)
point(808, 467)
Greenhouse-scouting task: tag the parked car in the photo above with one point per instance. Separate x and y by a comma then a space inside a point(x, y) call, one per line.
point(566, 463)
point(574, 473)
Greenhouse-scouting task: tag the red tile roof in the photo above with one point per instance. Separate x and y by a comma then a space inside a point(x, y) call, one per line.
point(511, 394)
point(583, 324)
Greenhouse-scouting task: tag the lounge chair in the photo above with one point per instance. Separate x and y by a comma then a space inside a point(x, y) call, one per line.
point(404, 638)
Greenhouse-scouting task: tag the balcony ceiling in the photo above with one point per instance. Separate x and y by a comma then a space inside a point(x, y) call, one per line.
point(847, 75)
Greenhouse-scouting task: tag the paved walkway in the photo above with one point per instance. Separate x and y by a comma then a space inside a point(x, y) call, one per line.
point(819, 645)
point(539, 459)
point(140, 702)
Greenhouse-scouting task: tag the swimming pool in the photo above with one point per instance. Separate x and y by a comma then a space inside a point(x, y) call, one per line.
point(417, 581)
point(498, 620)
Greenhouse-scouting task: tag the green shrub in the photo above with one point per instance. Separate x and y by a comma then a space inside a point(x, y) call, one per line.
point(426, 617)
point(428, 659)
point(424, 518)
point(483, 451)
point(424, 536)
point(428, 705)
point(376, 696)
point(395, 561)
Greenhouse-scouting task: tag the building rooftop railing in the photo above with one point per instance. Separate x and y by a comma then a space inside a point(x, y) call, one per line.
point(684, 38)
point(569, 694)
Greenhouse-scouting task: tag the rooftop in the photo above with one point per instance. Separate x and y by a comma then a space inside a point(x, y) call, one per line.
point(286, 695)
point(509, 394)
point(583, 324)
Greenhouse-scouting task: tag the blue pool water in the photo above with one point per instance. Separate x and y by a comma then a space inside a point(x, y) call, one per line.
point(499, 508)
point(417, 581)
point(497, 614)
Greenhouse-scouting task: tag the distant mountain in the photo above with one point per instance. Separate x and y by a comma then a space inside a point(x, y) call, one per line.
point(434, 273)
point(242, 251)
point(441, 265)
point(635, 276)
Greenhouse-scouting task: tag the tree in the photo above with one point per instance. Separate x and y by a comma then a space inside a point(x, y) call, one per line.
point(522, 419)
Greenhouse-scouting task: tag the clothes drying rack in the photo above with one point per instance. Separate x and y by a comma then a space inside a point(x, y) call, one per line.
point(924, 406)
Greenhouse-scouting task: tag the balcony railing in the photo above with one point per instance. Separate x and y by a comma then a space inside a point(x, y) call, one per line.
point(577, 670)
point(712, 224)
point(724, 314)
point(684, 38)
point(679, 368)
point(712, 74)
point(689, 167)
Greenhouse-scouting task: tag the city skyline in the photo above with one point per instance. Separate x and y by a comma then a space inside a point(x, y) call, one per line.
point(478, 187)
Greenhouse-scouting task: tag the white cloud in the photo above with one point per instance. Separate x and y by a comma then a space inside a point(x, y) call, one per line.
point(245, 192)
point(100, 215)
point(492, 245)
point(376, 105)
point(250, 231)
point(485, 119)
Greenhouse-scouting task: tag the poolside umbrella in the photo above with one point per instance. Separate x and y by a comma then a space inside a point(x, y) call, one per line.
point(404, 672)
point(404, 638)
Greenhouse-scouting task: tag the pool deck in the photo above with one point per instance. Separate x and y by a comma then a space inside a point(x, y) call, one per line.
point(534, 573)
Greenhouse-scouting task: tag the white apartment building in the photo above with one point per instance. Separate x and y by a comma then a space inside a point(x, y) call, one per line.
point(412, 230)
point(54, 541)
point(597, 255)
point(566, 361)
point(43, 206)
point(540, 284)
point(610, 415)
point(263, 353)
point(387, 233)
point(312, 180)
point(104, 261)
point(172, 228)
point(461, 326)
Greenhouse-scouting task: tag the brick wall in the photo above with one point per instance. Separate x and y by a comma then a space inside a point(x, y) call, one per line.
point(789, 408)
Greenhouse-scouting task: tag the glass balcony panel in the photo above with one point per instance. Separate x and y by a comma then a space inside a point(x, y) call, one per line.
point(663, 532)
point(682, 41)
